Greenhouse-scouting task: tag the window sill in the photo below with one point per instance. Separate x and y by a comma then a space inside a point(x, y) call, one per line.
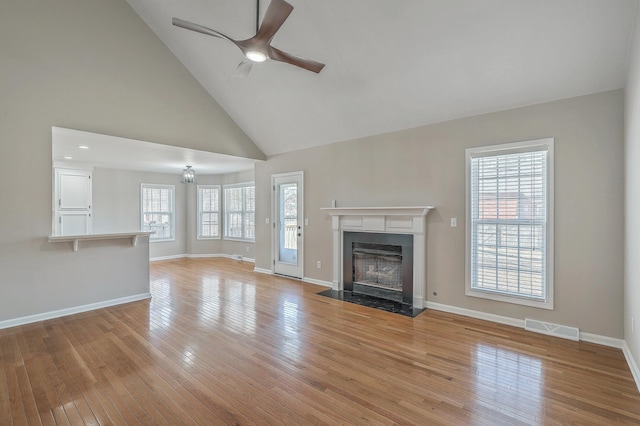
point(208, 238)
point(515, 300)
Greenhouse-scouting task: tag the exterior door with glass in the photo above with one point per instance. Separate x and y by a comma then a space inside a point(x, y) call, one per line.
point(288, 230)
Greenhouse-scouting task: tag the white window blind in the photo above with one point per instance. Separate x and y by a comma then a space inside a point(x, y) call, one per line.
point(158, 211)
point(208, 211)
point(509, 221)
point(239, 208)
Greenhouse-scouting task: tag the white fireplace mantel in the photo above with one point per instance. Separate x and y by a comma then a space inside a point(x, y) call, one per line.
point(390, 220)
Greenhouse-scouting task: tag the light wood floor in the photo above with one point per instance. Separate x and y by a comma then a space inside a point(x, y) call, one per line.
point(220, 344)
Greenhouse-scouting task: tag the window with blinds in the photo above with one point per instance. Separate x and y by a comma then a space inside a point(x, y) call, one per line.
point(208, 211)
point(240, 212)
point(158, 211)
point(509, 222)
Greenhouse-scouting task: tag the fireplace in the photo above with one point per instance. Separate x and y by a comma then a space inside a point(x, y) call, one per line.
point(397, 226)
point(379, 265)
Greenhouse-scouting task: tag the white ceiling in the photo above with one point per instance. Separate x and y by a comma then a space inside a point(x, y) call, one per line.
point(114, 152)
point(398, 64)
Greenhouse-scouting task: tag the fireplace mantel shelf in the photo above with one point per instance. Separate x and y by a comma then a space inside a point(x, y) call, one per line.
point(378, 211)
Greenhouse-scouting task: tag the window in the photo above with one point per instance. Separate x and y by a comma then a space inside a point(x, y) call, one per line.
point(208, 211)
point(240, 212)
point(510, 223)
point(158, 211)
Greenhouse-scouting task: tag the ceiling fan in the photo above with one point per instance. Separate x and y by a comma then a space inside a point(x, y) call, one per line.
point(258, 48)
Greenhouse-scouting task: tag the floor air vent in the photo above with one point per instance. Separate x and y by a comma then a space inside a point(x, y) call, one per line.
point(556, 330)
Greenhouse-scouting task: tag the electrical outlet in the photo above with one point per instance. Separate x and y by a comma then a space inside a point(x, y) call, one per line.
point(633, 325)
point(306, 222)
point(454, 222)
point(266, 220)
point(247, 249)
point(318, 264)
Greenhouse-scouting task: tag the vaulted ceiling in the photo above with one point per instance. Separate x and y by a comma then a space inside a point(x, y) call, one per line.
point(392, 65)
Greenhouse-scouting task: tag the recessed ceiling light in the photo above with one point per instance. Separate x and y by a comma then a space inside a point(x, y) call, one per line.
point(68, 158)
point(83, 147)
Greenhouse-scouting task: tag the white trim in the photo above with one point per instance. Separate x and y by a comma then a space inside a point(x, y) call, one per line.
point(586, 337)
point(635, 371)
point(199, 212)
point(205, 255)
point(201, 256)
point(173, 256)
point(286, 269)
point(388, 220)
point(476, 314)
point(225, 223)
point(601, 340)
point(172, 189)
point(378, 211)
point(548, 145)
point(70, 311)
point(263, 271)
point(91, 237)
point(318, 282)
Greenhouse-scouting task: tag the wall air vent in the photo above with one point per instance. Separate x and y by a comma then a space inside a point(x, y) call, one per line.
point(563, 331)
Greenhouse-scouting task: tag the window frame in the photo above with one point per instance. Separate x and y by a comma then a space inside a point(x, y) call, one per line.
point(171, 213)
point(200, 212)
point(244, 212)
point(547, 145)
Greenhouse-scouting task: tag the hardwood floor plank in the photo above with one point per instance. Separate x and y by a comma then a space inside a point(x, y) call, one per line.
point(12, 361)
point(220, 344)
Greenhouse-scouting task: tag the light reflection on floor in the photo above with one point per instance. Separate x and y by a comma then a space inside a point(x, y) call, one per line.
point(291, 342)
point(161, 313)
point(239, 307)
point(511, 380)
point(209, 301)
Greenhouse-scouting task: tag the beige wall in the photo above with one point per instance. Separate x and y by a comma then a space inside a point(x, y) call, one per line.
point(90, 65)
point(426, 166)
point(221, 246)
point(632, 200)
point(116, 208)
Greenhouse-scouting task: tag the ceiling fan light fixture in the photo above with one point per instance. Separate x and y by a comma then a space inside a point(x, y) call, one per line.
point(256, 56)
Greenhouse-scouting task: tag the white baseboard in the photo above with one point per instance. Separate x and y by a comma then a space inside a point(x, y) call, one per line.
point(70, 311)
point(586, 337)
point(476, 314)
point(263, 271)
point(200, 256)
point(204, 256)
point(220, 255)
point(635, 372)
point(318, 282)
point(173, 256)
point(602, 340)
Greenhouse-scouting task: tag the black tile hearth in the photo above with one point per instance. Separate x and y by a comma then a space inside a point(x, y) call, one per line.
point(373, 302)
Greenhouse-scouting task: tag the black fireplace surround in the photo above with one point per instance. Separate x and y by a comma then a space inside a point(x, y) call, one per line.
point(389, 246)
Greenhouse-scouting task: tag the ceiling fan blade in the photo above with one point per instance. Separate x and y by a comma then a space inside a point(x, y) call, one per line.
point(277, 12)
point(307, 64)
point(243, 69)
point(200, 29)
